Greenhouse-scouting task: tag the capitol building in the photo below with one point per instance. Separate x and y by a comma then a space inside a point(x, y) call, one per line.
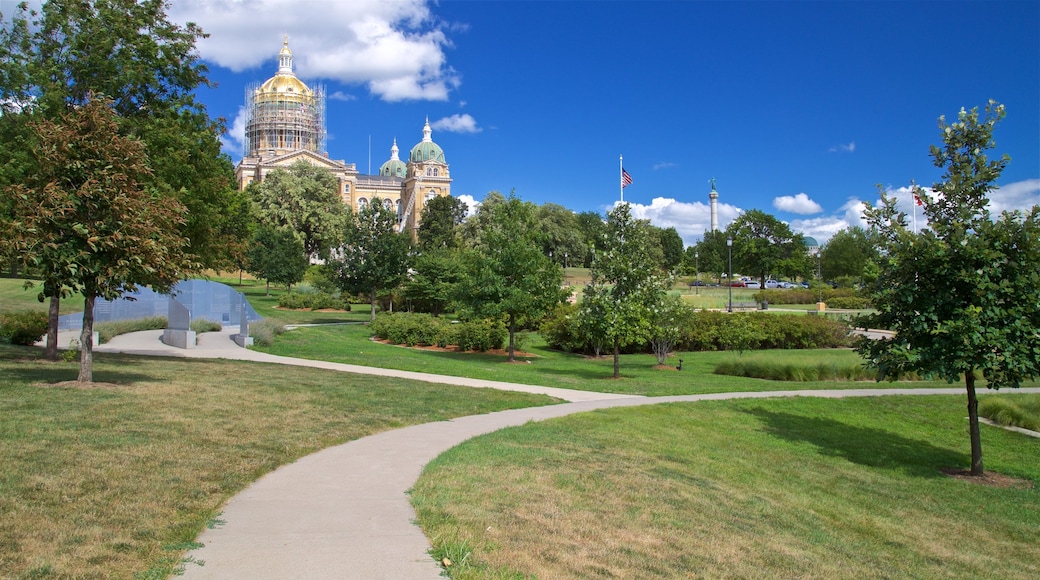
point(285, 124)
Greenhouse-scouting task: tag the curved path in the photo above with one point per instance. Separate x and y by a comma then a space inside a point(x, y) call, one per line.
point(343, 512)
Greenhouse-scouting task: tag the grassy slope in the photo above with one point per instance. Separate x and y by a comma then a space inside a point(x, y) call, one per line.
point(115, 481)
point(771, 488)
point(14, 296)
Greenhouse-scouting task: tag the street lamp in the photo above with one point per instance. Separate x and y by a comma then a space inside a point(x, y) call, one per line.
point(729, 249)
point(819, 271)
point(697, 273)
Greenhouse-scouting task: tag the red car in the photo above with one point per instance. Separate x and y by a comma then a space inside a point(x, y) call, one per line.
point(738, 284)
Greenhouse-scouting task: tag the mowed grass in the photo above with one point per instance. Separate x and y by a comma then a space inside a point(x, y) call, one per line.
point(116, 481)
point(14, 296)
point(352, 344)
point(745, 488)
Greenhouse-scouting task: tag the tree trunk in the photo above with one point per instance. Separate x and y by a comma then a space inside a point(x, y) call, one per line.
point(268, 288)
point(973, 423)
point(617, 357)
point(51, 352)
point(372, 301)
point(86, 342)
point(240, 276)
point(512, 332)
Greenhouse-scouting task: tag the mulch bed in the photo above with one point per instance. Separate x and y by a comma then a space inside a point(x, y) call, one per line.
point(989, 478)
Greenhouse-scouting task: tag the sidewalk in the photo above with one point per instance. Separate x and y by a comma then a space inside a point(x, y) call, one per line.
point(343, 512)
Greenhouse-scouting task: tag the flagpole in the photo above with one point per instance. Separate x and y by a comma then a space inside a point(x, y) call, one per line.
point(621, 176)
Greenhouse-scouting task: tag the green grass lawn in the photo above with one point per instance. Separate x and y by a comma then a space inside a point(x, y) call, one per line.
point(14, 296)
point(750, 489)
point(352, 345)
point(116, 481)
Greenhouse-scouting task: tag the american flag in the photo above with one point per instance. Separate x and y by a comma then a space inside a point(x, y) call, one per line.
point(918, 200)
point(626, 179)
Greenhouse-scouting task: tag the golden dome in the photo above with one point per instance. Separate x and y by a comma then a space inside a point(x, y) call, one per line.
point(284, 86)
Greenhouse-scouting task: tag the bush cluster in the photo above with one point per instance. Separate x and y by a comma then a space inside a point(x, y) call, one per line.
point(809, 296)
point(426, 330)
point(313, 301)
point(23, 327)
point(264, 331)
point(708, 330)
point(200, 325)
point(775, 371)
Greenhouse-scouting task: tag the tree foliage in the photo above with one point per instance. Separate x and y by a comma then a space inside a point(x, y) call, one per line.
point(442, 218)
point(561, 239)
point(430, 287)
point(374, 255)
point(765, 246)
point(672, 250)
point(962, 296)
point(87, 220)
point(848, 253)
point(304, 198)
point(127, 50)
point(276, 255)
point(625, 285)
point(507, 275)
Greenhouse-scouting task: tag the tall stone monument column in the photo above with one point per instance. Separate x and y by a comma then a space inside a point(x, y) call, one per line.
point(714, 197)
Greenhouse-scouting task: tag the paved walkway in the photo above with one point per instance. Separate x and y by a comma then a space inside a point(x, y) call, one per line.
point(343, 512)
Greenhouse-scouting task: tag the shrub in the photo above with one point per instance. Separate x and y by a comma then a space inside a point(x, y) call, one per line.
point(776, 371)
point(426, 330)
point(561, 330)
point(109, 330)
point(313, 301)
point(264, 331)
point(200, 325)
point(1021, 411)
point(23, 327)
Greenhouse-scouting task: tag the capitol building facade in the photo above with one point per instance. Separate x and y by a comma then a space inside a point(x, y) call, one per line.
point(286, 124)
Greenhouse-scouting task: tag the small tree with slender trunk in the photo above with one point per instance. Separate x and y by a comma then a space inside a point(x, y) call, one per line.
point(962, 294)
point(87, 221)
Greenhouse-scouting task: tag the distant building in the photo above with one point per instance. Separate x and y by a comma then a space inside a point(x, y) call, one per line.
point(285, 124)
point(811, 245)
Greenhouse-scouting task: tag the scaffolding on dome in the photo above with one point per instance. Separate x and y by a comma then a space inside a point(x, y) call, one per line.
point(283, 122)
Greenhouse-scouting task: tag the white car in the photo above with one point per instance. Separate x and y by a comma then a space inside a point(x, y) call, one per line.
point(754, 285)
point(771, 284)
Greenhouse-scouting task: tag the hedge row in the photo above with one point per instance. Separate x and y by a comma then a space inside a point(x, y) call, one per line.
point(810, 296)
point(315, 301)
point(707, 330)
point(425, 330)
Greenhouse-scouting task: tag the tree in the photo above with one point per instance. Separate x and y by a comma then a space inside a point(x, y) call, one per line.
point(625, 287)
point(276, 255)
point(667, 324)
point(847, 254)
point(561, 239)
point(712, 256)
point(128, 51)
point(441, 218)
point(765, 246)
point(305, 198)
point(87, 220)
point(671, 244)
point(591, 226)
point(507, 275)
point(374, 255)
point(434, 275)
point(962, 295)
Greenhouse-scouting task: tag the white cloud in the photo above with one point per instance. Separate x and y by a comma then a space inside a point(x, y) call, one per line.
point(842, 148)
point(396, 49)
point(664, 165)
point(800, 204)
point(457, 124)
point(691, 220)
point(470, 202)
point(233, 142)
point(1021, 195)
point(341, 96)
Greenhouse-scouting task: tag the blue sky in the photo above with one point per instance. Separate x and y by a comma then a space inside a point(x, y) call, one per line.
point(795, 108)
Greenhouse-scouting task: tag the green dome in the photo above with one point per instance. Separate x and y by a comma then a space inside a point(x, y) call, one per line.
point(394, 168)
point(811, 242)
point(426, 150)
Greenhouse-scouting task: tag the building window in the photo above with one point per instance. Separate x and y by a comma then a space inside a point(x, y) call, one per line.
point(346, 188)
point(361, 203)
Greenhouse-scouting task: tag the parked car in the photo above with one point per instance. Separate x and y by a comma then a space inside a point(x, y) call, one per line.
point(753, 285)
point(738, 284)
point(771, 284)
point(784, 284)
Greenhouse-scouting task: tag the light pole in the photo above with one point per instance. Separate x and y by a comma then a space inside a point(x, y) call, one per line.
point(729, 276)
point(697, 273)
point(819, 271)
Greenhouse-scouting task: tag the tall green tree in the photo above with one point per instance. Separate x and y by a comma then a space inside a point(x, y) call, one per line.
point(847, 254)
point(764, 246)
point(374, 255)
point(128, 51)
point(672, 249)
point(507, 275)
point(89, 222)
point(442, 219)
point(561, 239)
point(276, 255)
point(430, 286)
point(304, 198)
point(625, 284)
point(712, 255)
point(591, 226)
point(962, 295)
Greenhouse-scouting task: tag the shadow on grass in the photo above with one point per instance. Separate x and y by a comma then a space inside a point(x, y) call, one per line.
point(861, 445)
point(27, 364)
